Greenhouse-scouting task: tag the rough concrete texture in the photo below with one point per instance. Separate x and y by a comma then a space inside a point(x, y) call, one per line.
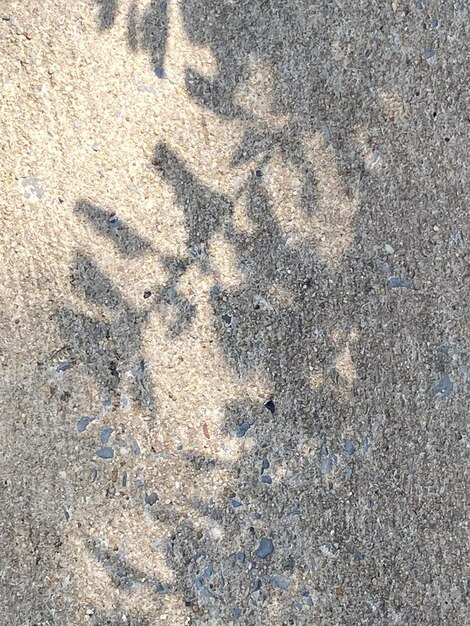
point(235, 361)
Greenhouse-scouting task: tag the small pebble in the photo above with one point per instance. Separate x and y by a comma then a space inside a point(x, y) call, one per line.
point(242, 429)
point(428, 54)
point(395, 282)
point(159, 72)
point(264, 464)
point(235, 503)
point(151, 498)
point(258, 173)
point(257, 585)
point(83, 423)
point(270, 406)
point(147, 294)
point(267, 480)
point(139, 483)
point(227, 318)
point(105, 453)
point(106, 434)
point(265, 548)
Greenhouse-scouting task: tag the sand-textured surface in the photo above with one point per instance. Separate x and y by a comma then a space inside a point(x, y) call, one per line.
point(234, 312)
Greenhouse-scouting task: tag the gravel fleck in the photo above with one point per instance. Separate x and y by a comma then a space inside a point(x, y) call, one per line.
point(267, 480)
point(277, 580)
point(63, 367)
point(105, 453)
point(151, 498)
point(242, 429)
point(237, 612)
point(240, 557)
point(270, 406)
point(444, 387)
point(106, 433)
point(202, 589)
point(396, 282)
point(83, 423)
point(349, 448)
point(265, 548)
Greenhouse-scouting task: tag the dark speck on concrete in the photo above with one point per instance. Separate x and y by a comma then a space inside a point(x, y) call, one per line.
point(396, 282)
point(349, 448)
point(276, 580)
point(105, 453)
point(147, 294)
point(242, 429)
point(215, 291)
point(159, 72)
point(66, 514)
point(235, 503)
point(227, 318)
point(270, 406)
point(258, 173)
point(428, 53)
point(359, 556)
point(444, 387)
point(106, 434)
point(267, 480)
point(264, 464)
point(151, 498)
point(106, 403)
point(265, 548)
point(83, 423)
point(257, 585)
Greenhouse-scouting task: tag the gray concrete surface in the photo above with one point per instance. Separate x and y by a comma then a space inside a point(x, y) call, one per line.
point(234, 313)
